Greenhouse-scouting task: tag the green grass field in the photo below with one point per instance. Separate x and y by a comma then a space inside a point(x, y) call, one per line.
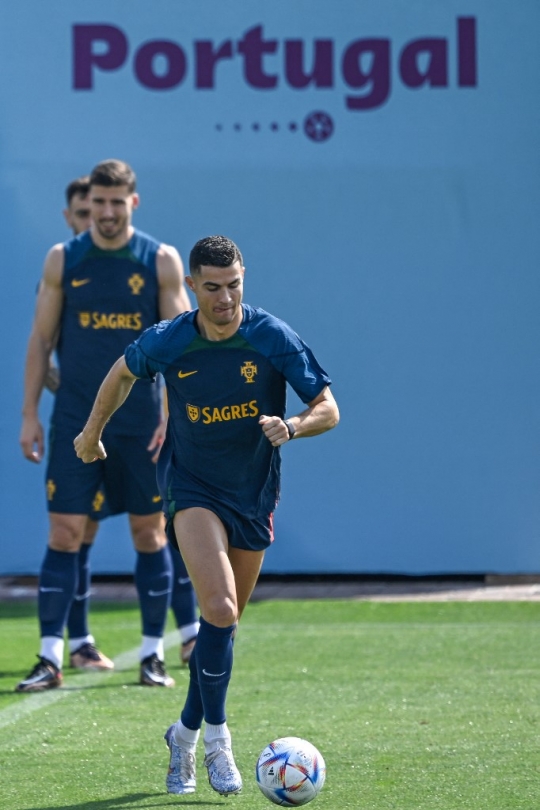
point(415, 706)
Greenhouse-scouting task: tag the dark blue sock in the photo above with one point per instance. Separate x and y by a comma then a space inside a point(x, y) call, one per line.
point(57, 585)
point(77, 621)
point(153, 578)
point(183, 602)
point(214, 659)
point(193, 711)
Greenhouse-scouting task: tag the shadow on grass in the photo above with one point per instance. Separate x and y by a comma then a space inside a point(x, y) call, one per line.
point(130, 800)
point(75, 687)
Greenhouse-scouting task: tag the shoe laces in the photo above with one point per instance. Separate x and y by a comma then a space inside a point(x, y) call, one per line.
point(186, 765)
point(87, 650)
point(43, 665)
point(155, 665)
point(222, 760)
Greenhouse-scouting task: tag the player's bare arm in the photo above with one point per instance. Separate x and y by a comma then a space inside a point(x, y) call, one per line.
point(40, 347)
point(113, 392)
point(321, 414)
point(173, 298)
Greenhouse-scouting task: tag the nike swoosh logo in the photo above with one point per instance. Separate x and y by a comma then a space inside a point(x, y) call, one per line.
point(183, 580)
point(156, 498)
point(159, 593)
point(78, 282)
point(51, 590)
point(82, 597)
point(213, 674)
point(183, 374)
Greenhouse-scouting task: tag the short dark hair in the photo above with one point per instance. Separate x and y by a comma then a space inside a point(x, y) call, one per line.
point(113, 173)
point(80, 186)
point(216, 251)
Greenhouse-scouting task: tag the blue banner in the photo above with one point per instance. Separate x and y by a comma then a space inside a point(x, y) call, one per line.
point(378, 165)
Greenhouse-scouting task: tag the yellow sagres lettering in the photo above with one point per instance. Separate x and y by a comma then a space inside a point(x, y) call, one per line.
point(245, 410)
point(248, 370)
point(78, 282)
point(51, 489)
point(194, 412)
point(183, 374)
point(136, 282)
point(99, 500)
point(112, 320)
point(156, 498)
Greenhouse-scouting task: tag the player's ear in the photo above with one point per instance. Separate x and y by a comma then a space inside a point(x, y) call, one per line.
point(67, 216)
point(135, 200)
point(189, 282)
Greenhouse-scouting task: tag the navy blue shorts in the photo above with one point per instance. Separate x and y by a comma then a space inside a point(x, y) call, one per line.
point(250, 534)
point(123, 482)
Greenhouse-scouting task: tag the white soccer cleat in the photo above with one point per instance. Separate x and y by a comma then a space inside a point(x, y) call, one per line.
point(223, 774)
point(181, 777)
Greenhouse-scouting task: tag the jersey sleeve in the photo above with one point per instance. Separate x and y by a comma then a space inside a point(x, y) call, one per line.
point(303, 373)
point(143, 355)
point(288, 354)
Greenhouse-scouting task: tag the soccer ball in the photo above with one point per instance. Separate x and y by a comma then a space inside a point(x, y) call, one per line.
point(290, 771)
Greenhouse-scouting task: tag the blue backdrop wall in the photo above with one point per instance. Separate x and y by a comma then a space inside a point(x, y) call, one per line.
point(378, 164)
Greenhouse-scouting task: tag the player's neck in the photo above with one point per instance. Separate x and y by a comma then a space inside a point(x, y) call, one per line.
point(116, 242)
point(212, 331)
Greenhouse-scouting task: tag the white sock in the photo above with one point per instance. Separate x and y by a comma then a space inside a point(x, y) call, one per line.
point(188, 631)
point(75, 643)
point(52, 648)
point(186, 737)
point(216, 737)
point(151, 645)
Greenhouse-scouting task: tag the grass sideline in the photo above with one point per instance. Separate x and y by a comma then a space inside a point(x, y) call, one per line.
point(415, 706)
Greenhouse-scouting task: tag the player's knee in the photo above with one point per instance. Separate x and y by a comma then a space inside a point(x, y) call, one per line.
point(221, 612)
point(148, 541)
point(65, 537)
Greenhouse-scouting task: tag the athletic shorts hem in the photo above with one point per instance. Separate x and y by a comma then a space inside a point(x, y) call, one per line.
point(243, 533)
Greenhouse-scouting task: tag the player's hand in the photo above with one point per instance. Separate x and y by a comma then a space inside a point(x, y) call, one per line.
point(31, 439)
point(274, 429)
point(88, 450)
point(157, 439)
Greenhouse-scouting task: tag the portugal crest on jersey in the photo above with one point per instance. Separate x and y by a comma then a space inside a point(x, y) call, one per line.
point(248, 370)
point(194, 412)
point(136, 282)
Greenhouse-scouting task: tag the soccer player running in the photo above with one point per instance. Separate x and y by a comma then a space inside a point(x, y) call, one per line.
point(98, 291)
point(226, 365)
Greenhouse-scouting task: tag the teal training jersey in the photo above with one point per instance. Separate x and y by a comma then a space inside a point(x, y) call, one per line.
point(110, 298)
point(217, 390)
